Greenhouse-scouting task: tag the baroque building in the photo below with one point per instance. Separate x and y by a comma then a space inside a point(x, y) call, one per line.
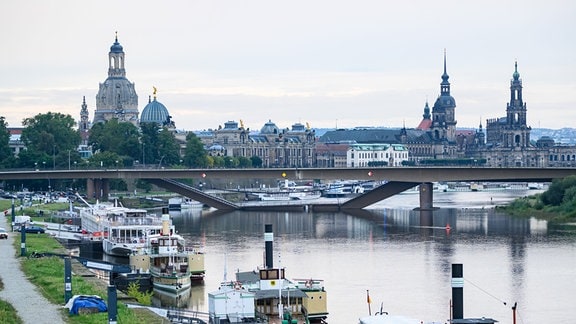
point(292, 147)
point(116, 96)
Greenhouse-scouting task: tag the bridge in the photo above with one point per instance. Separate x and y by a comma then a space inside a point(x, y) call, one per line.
point(397, 179)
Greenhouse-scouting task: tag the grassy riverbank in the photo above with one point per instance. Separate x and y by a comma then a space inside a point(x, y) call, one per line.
point(557, 204)
point(47, 273)
point(7, 313)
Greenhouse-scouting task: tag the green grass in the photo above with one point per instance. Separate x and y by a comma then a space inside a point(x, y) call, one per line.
point(47, 273)
point(7, 313)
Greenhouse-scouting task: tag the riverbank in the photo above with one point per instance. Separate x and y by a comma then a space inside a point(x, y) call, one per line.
point(555, 205)
point(40, 281)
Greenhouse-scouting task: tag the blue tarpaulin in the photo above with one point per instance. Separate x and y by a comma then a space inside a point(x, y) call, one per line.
point(83, 301)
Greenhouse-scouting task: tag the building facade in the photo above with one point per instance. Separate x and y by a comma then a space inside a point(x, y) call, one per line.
point(376, 155)
point(116, 96)
point(293, 147)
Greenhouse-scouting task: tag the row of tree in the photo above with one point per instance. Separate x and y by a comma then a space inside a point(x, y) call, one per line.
point(51, 141)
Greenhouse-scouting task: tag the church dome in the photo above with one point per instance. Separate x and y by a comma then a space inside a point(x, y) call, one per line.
point(154, 112)
point(116, 47)
point(516, 75)
point(269, 128)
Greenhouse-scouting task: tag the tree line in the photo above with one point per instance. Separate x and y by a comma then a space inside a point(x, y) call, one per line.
point(51, 141)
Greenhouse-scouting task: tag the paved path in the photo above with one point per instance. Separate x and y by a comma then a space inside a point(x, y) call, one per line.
point(31, 306)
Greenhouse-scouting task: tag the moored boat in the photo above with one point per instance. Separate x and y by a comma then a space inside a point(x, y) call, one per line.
point(267, 295)
point(170, 263)
point(122, 231)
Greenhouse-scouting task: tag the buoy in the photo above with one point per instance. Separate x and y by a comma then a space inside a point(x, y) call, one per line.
point(447, 227)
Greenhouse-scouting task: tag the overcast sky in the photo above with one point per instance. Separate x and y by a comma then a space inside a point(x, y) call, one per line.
point(324, 62)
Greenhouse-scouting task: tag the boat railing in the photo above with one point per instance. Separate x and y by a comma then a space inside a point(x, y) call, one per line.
point(135, 221)
point(309, 284)
point(177, 268)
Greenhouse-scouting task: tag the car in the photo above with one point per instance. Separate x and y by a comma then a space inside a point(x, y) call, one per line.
point(3, 234)
point(7, 195)
point(35, 229)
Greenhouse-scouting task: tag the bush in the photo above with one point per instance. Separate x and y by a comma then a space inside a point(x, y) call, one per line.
point(144, 298)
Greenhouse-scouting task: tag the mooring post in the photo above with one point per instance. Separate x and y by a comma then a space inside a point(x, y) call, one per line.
point(112, 307)
point(22, 239)
point(67, 279)
point(457, 291)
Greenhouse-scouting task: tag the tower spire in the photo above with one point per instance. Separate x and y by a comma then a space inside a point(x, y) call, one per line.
point(445, 63)
point(445, 85)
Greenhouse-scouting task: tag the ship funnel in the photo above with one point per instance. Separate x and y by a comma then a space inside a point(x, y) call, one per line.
point(165, 221)
point(268, 240)
point(457, 291)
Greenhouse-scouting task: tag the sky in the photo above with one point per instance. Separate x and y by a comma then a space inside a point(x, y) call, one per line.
point(327, 63)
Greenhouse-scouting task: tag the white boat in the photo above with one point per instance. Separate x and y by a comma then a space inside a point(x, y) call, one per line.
point(277, 195)
point(170, 263)
point(179, 203)
point(344, 188)
point(122, 231)
point(258, 296)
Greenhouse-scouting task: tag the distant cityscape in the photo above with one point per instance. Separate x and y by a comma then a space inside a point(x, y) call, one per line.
point(507, 141)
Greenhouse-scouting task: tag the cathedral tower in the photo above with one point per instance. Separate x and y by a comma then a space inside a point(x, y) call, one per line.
point(443, 112)
point(116, 97)
point(516, 132)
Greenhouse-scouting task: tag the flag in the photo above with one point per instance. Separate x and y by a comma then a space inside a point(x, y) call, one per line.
point(368, 300)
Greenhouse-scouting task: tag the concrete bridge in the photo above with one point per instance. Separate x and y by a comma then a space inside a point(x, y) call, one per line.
point(397, 179)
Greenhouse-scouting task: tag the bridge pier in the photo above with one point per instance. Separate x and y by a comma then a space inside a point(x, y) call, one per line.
point(426, 196)
point(97, 188)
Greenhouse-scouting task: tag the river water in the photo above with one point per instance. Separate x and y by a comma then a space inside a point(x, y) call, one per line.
point(403, 257)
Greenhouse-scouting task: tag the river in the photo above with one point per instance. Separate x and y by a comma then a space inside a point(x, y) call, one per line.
point(403, 257)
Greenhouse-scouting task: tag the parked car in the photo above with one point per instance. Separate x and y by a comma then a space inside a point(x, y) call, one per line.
point(7, 195)
point(35, 229)
point(3, 234)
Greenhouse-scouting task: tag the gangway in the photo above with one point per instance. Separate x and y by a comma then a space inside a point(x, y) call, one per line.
point(193, 193)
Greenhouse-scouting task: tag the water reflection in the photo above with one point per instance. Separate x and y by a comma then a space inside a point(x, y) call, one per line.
point(403, 256)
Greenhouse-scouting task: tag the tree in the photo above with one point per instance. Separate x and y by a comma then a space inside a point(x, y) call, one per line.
point(49, 138)
point(244, 162)
point(149, 140)
point(256, 161)
point(168, 148)
point(6, 156)
point(117, 137)
point(195, 155)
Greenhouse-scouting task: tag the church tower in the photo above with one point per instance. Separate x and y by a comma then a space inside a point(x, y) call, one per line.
point(516, 133)
point(84, 126)
point(443, 112)
point(116, 97)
